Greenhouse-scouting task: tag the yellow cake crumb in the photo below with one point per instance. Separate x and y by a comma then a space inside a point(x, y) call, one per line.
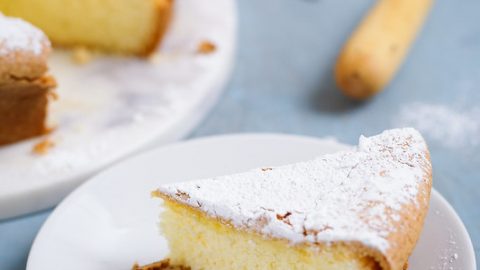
point(81, 55)
point(155, 58)
point(43, 147)
point(206, 47)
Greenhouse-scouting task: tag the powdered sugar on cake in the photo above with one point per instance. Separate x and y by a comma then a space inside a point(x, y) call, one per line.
point(348, 196)
point(17, 35)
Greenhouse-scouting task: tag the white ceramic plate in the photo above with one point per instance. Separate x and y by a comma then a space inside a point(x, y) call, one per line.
point(111, 222)
point(114, 106)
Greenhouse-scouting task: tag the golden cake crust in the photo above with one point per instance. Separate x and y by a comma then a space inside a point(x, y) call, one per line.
point(23, 65)
point(23, 108)
point(164, 12)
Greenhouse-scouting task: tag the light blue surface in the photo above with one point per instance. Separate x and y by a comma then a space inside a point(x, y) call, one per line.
point(283, 83)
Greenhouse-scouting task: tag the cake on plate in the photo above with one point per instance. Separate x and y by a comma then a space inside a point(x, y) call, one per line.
point(133, 27)
point(357, 209)
point(25, 87)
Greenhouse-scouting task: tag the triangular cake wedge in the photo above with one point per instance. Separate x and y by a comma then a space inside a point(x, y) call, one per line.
point(358, 209)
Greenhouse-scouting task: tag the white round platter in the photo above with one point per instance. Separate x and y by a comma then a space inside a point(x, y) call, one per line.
point(110, 222)
point(114, 106)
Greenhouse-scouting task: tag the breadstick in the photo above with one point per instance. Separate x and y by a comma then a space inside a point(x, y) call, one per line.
point(375, 51)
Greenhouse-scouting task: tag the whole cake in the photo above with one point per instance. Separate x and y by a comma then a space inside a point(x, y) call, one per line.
point(359, 209)
point(25, 88)
point(122, 26)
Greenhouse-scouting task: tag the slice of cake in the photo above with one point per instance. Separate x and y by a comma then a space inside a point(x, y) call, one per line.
point(360, 209)
point(121, 26)
point(25, 88)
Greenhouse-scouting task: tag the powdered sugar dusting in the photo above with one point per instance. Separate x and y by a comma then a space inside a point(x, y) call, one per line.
point(347, 196)
point(19, 35)
point(451, 127)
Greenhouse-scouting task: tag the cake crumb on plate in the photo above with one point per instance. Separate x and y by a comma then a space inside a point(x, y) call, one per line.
point(43, 147)
point(206, 47)
point(81, 55)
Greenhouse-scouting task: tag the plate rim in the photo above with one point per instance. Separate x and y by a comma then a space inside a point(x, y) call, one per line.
point(232, 136)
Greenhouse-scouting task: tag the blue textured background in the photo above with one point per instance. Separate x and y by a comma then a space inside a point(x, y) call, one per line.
point(283, 83)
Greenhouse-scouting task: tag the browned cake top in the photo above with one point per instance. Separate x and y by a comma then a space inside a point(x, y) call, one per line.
point(23, 50)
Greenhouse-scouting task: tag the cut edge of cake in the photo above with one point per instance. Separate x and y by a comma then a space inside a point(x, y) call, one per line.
point(392, 222)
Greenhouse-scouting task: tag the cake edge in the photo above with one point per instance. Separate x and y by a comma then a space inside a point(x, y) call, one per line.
point(164, 14)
